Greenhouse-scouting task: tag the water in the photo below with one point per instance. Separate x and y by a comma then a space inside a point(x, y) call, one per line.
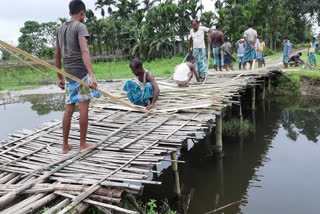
point(276, 170)
point(27, 112)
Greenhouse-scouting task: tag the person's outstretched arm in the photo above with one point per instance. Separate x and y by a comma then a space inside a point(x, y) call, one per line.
point(156, 90)
point(87, 60)
point(194, 71)
point(190, 44)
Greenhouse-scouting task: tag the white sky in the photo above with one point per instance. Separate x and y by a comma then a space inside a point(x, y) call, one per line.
point(15, 12)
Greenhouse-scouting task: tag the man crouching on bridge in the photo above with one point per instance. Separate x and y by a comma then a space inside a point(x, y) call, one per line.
point(147, 91)
point(72, 46)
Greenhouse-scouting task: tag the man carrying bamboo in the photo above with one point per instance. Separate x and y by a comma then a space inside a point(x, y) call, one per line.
point(73, 48)
point(197, 34)
point(146, 91)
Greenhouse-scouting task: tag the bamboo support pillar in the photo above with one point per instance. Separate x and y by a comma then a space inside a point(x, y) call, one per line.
point(263, 90)
point(219, 135)
point(253, 106)
point(269, 85)
point(240, 109)
point(176, 172)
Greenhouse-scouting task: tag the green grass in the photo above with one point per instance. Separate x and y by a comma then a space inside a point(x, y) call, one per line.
point(236, 127)
point(28, 78)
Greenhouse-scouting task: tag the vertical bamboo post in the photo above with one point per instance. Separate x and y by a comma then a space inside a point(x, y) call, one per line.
point(253, 107)
point(263, 90)
point(240, 109)
point(176, 172)
point(269, 85)
point(219, 134)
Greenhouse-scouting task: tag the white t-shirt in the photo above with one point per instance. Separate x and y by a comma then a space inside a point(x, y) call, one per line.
point(250, 34)
point(181, 72)
point(198, 37)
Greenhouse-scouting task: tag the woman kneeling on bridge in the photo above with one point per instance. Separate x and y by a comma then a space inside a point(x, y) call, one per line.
point(147, 91)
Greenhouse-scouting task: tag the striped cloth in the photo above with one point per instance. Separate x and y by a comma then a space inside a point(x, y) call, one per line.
point(76, 92)
point(138, 96)
point(312, 58)
point(260, 55)
point(248, 53)
point(218, 56)
point(285, 59)
point(201, 61)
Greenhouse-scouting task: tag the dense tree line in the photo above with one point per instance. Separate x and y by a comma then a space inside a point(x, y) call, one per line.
point(151, 28)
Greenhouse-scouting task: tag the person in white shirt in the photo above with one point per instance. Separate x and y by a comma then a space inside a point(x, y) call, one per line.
point(197, 35)
point(183, 73)
point(250, 37)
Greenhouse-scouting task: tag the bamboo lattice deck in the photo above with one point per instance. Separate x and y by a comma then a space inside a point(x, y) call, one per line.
point(33, 172)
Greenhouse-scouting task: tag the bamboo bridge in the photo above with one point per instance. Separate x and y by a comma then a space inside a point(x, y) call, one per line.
point(33, 172)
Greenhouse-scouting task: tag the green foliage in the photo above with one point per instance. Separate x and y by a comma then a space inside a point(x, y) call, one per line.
point(38, 38)
point(268, 52)
point(273, 19)
point(237, 127)
point(286, 85)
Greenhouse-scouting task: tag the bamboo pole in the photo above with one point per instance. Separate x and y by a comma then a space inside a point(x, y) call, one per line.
point(219, 134)
point(176, 173)
point(94, 187)
point(253, 103)
point(37, 204)
point(60, 205)
point(41, 62)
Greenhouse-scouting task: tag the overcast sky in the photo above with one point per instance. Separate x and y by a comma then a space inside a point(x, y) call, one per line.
point(15, 12)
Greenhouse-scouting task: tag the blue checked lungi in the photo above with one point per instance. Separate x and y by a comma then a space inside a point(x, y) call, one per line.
point(312, 58)
point(76, 92)
point(138, 96)
point(201, 61)
point(218, 57)
point(248, 53)
point(285, 59)
point(260, 56)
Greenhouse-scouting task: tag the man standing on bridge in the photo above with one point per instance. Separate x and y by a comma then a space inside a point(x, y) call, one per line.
point(250, 36)
point(197, 34)
point(217, 41)
point(73, 48)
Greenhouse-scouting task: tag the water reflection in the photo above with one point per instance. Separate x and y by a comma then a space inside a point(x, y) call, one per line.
point(274, 170)
point(29, 111)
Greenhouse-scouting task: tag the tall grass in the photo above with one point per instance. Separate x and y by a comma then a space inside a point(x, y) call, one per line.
point(236, 127)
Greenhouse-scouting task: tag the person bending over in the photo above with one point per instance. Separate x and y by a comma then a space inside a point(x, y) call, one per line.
point(145, 91)
point(183, 73)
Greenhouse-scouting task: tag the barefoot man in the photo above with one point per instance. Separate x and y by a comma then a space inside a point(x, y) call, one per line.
point(72, 47)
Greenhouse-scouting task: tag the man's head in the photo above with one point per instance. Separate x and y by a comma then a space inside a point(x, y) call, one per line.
point(313, 39)
point(77, 8)
point(286, 39)
point(226, 39)
point(218, 27)
point(194, 24)
point(191, 59)
point(260, 39)
point(299, 54)
point(136, 67)
point(241, 41)
point(250, 25)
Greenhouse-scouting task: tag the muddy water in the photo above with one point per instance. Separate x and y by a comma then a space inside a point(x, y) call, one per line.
point(29, 111)
point(275, 170)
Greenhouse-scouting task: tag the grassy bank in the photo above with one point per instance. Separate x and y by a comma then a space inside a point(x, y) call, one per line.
point(19, 79)
point(27, 78)
point(291, 82)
